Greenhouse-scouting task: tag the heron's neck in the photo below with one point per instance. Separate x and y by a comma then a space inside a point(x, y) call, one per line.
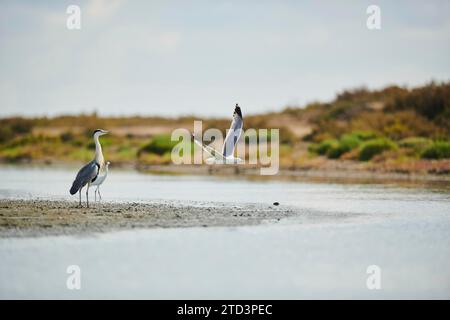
point(98, 152)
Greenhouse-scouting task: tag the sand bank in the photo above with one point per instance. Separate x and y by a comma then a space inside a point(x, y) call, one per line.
point(20, 218)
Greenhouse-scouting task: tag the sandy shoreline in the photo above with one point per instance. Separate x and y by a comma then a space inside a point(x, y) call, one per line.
point(23, 218)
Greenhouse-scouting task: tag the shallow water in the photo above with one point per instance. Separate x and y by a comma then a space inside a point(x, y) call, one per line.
point(123, 186)
point(404, 231)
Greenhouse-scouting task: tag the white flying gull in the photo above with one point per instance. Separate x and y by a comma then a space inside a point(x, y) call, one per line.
point(227, 154)
point(88, 174)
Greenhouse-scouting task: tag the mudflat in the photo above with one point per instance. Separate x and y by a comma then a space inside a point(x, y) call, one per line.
point(22, 218)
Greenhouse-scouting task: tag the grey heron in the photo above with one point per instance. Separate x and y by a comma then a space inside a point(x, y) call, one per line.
point(229, 144)
point(89, 173)
point(99, 181)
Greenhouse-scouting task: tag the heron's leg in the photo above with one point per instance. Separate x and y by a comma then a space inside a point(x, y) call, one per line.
point(79, 204)
point(98, 188)
point(87, 195)
point(95, 194)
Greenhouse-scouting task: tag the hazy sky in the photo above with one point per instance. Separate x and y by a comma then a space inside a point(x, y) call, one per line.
point(200, 57)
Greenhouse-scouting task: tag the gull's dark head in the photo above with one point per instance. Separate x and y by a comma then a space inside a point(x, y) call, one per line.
point(237, 110)
point(100, 132)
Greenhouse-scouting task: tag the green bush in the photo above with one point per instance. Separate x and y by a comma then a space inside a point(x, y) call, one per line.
point(159, 145)
point(336, 151)
point(371, 148)
point(323, 147)
point(351, 141)
point(418, 144)
point(345, 144)
point(438, 150)
point(364, 135)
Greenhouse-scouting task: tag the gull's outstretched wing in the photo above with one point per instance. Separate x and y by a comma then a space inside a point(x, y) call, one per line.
point(233, 133)
point(211, 151)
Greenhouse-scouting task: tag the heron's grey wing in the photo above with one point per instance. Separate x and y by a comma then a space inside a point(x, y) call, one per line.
point(89, 172)
point(86, 174)
point(232, 136)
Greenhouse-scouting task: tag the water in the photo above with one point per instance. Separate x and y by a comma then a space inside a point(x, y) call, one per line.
point(122, 186)
point(404, 231)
